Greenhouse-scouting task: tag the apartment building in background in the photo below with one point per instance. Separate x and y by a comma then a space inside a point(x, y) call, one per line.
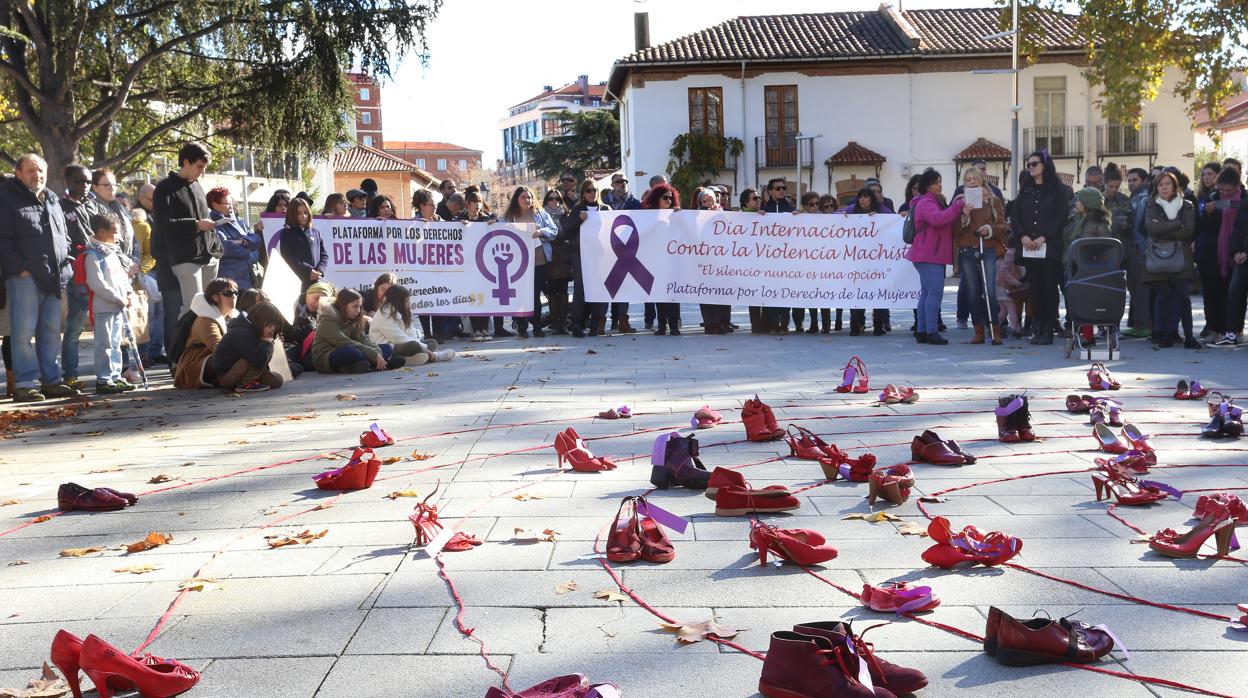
point(366, 94)
point(442, 160)
point(533, 120)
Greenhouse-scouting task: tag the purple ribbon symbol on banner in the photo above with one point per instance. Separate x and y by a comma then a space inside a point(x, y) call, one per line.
point(626, 262)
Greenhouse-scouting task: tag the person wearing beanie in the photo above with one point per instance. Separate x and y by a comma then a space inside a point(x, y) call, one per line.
point(1090, 220)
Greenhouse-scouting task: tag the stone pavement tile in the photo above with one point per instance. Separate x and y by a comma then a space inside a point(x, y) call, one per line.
point(991, 585)
point(1212, 583)
point(570, 528)
point(1027, 526)
point(504, 630)
point(970, 505)
point(490, 556)
point(37, 605)
point(738, 528)
point(301, 633)
point(413, 587)
point(976, 674)
point(88, 571)
point(272, 595)
point(1217, 671)
point(1137, 626)
point(285, 677)
point(785, 586)
point(28, 644)
point(900, 634)
point(1034, 487)
point(386, 676)
point(1045, 504)
point(397, 631)
point(626, 629)
point(364, 560)
point(684, 671)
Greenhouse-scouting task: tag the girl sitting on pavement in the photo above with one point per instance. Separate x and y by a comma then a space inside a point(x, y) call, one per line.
point(342, 344)
point(213, 309)
point(241, 359)
point(392, 324)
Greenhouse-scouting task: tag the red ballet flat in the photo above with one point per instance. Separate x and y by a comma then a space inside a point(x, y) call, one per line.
point(899, 597)
point(970, 545)
point(723, 477)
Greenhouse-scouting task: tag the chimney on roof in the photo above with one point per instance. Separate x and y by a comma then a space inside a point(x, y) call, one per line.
point(582, 82)
point(641, 31)
point(548, 88)
point(903, 26)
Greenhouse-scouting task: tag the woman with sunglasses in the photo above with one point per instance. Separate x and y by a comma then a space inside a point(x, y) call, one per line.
point(716, 319)
point(664, 197)
point(867, 202)
point(591, 315)
point(1039, 216)
point(213, 309)
point(559, 268)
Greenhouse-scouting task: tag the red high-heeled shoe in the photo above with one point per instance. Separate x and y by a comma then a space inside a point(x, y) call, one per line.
point(855, 369)
point(798, 545)
point(803, 444)
point(655, 545)
point(891, 484)
point(424, 519)
point(66, 655)
point(1108, 441)
point(579, 458)
point(1137, 438)
point(1099, 378)
point(1127, 491)
point(837, 462)
point(108, 666)
point(624, 538)
point(1217, 522)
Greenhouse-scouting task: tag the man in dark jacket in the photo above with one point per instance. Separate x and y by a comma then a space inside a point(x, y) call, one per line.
point(776, 200)
point(35, 265)
point(187, 235)
point(79, 207)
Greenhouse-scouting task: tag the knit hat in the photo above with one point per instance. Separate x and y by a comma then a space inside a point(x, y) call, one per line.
point(324, 288)
point(1092, 198)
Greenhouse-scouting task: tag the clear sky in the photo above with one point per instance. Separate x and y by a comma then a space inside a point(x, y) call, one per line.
point(485, 56)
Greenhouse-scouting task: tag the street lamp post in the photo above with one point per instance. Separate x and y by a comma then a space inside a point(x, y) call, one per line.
point(797, 141)
point(1015, 107)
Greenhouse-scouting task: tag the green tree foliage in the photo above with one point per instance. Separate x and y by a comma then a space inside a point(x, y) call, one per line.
point(1131, 43)
point(693, 158)
point(111, 82)
point(590, 141)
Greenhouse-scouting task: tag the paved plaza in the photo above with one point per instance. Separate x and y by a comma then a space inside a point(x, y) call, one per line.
point(362, 613)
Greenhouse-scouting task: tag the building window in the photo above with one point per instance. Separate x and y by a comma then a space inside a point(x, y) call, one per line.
point(780, 114)
point(597, 102)
point(368, 141)
point(366, 118)
point(1050, 114)
point(463, 165)
point(442, 164)
point(420, 162)
point(364, 94)
point(706, 111)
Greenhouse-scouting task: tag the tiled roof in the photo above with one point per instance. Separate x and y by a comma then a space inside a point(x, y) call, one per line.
point(361, 158)
point(982, 149)
point(572, 89)
point(831, 35)
point(854, 154)
point(1236, 110)
point(426, 145)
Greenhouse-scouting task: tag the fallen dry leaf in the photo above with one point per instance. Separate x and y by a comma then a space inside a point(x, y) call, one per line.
point(525, 496)
point(932, 500)
point(391, 460)
point(696, 632)
point(911, 528)
point(322, 506)
point(79, 552)
point(200, 584)
point(590, 351)
point(874, 517)
point(41, 519)
point(136, 569)
point(532, 535)
point(104, 470)
point(611, 596)
point(298, 417)
point(152, 540)
point(566, 587)
point(265, 423)
point(161, 478)
point(302, 538)
point(240, 442)
point(10, 502)
point(418, 456)
point(346, 397)
point(48, 685)
point(403, 493)
point(431, 374)
point(15, 563)
point(351, 414)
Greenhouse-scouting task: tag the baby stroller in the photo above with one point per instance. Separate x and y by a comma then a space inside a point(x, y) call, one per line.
point(1096, 294)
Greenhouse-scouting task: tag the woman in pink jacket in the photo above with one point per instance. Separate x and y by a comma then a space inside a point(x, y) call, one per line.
point(931, 251)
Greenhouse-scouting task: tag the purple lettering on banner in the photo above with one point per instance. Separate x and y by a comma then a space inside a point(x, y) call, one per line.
point(502, 255)
point(663, 516)
point(626, 262)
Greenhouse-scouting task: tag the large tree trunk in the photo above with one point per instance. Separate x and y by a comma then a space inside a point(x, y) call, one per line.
point(59, 147)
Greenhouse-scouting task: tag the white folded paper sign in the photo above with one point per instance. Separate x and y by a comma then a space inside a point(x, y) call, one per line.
point(1036, 253)
point(974, 197)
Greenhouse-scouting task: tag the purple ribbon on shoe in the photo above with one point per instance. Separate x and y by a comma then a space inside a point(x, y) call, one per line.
point(626, 262)
point(662, 516)
point(1163, 487)
point(1010, 408)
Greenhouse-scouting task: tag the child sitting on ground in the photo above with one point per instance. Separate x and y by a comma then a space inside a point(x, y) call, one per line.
point(108, 278)
point(241, 358)
point(342, 344)
point(392, 324)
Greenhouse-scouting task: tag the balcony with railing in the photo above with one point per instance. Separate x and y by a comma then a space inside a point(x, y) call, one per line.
point(1061, 142)
point(774, 150)
point(1119, 141)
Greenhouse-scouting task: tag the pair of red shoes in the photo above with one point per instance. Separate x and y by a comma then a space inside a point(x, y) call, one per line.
point(826, 660)
point(803, 443)
point(723, 477)
point(928, 447)
point(376, 437)
point(705, 418)
point(111, 669)
point(855, 370)
point(1132, 439)
point(737, 500)
point(891, 484)
point(798, 545)
point(899, 597)
point(1114, 481)
point(970, 545)
point(760, 421)
point(893, 394)
point(1190, 391)
point(357, 474)
point(570, 448)
point(1099, 378)
point(636, 536)
point(1219, 515)
point(74, 497)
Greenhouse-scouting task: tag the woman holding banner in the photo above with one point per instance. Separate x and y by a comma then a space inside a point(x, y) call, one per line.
point(301, 245)
point(867, 203)
point(592, 314)
point(931, 251)
point(558, 268)
point(521, 211)
point(716, 319)
point(664, 197)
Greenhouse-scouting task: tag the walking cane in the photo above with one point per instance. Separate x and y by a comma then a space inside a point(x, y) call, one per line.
point(134, 346)
point(983, 275)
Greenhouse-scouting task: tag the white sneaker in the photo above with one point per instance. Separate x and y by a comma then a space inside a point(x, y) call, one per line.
point(1228, 340)
point(444, 355)
point(479, 336)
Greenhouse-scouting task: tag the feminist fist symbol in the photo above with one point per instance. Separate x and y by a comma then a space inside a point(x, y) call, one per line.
point(503, 255)
point(502, 258)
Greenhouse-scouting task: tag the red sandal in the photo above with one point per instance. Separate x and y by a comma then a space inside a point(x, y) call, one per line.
point(855, 369)
point(1099, 378)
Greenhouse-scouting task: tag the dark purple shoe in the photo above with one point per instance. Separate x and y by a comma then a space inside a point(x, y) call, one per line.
point(74, 497)
point(131, 499)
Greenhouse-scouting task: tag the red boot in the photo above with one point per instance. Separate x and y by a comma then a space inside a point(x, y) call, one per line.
point(810, 666)
point(760, 422)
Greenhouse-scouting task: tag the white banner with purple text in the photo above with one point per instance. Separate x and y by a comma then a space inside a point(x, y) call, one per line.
point(737, 258)
point(450, 268)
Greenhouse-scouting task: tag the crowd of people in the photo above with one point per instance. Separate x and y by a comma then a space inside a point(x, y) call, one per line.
point(182, 259)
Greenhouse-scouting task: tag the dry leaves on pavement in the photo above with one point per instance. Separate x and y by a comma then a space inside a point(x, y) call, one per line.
point(532, 535)
point(566, 588)
point(136, 569)
point(10, 502)
point(200, 584)
point(911, 528)
point(611, 596)
point(418, 456)
point(391, 460)
point(15, 563)
point(152, 540)
point(403, 493)
point(525, 496)
point(874, 517)
point(696, 632)
point(932, 500)
point(347, 397)
point(49, 685)
point(156, 480)
point(302, 538)
point(41, 519)
point(79, 552)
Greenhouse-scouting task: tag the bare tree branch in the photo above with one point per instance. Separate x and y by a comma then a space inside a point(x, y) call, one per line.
point(141, 142)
